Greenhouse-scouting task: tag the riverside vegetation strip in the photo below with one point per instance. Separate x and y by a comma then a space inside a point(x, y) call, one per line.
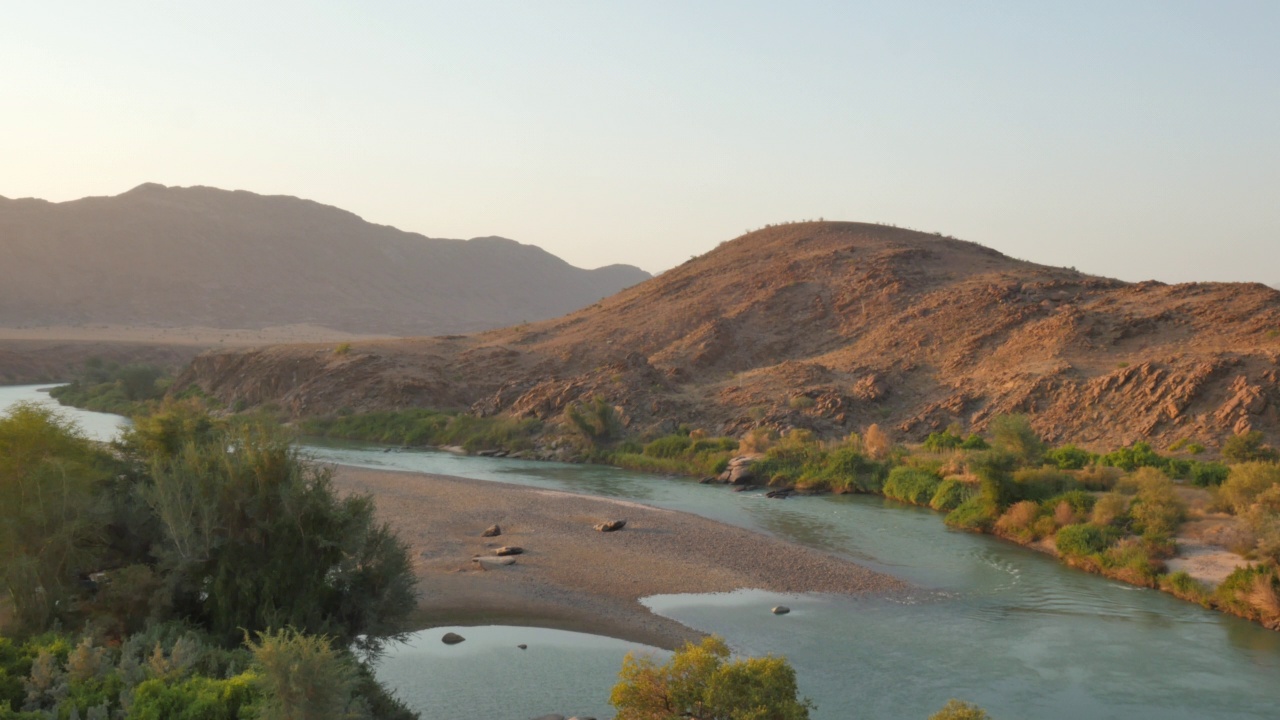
point(1120, 514)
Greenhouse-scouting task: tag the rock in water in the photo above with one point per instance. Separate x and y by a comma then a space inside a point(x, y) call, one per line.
point(508, 550)
point(781, 610)
point(452, 639)
point(522, 646)
point(491, 531)
point(611, 525)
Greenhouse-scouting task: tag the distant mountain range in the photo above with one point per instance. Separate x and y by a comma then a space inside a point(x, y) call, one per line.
point(198, 256)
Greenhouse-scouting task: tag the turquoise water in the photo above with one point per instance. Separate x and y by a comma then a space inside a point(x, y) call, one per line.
point(96, 426)
point(991, 622)
point(488, 676)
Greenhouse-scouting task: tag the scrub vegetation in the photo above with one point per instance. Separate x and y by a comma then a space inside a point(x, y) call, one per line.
point(198, 569)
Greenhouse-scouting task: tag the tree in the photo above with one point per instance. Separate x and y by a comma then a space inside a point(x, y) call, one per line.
point(1247, 447)
point(702, 683)
point(253, 537)
point(51, 521)
point(1013, 434)
point(597, 421)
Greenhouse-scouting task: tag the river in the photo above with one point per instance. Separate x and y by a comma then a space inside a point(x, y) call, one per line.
point(993, 623)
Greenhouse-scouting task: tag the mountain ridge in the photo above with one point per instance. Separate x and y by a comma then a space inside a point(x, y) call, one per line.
point(157, 255)
point(832, 327)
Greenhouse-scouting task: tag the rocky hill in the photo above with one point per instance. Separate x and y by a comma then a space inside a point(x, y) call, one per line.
point(833, 326)
point(176, 257)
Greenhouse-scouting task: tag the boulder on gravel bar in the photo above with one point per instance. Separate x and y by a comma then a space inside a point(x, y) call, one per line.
point(488, 560)
point(452, 638)
point(508, 550)
point(611, 525)
point(491, 531)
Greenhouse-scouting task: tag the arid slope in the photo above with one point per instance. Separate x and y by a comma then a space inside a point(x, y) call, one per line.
point(868, 324)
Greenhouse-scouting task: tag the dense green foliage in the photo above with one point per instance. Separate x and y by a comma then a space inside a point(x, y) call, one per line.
point(421, 427)
point(911, 485)
point(109, 387)
point(701, 682)
point(217, 525)
point(52, 523)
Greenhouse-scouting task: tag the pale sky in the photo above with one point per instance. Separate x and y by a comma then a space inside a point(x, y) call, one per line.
point(1131, 139)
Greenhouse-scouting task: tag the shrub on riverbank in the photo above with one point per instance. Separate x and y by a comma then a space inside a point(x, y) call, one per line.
point(108, 387)
point(220, 524)
point(911, 485)
point(419, 427)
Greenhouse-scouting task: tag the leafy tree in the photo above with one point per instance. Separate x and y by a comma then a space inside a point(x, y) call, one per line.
point(253, 538)
point(702, 683)
point(1013, 435)
point(597, 421)
point(1247, 447)
point(52, 526)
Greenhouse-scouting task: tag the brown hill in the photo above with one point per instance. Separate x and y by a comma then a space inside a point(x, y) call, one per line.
point(179, 257)
point(833, 326)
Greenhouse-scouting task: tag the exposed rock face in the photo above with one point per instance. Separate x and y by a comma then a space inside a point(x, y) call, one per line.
point(831, 327)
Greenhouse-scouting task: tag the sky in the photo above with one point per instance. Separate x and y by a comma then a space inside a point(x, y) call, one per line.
point(1135, 139)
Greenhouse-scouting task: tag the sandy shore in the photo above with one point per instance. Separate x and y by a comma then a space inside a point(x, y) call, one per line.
point(571, 576)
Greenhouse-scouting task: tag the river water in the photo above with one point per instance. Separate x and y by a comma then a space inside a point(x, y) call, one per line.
point(992, 623)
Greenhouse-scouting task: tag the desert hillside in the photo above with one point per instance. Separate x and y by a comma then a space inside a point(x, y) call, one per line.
point(180, 257)
point(833, 326)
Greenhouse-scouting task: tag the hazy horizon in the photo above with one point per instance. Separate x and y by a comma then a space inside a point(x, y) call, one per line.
point(1135, 142)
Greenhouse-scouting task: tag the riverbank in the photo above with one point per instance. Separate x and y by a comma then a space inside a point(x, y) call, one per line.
point(572, 576)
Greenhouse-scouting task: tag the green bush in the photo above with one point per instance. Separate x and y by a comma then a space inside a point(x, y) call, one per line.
point(257, 538)
point(701, 681)
point(1080, 501)
point(1013, 435)
point(196, 698)
point(940, 441)
point(54, 511)
point(1247, 447)
point(1069, 457)
point(957, 710)
point(950, 494)
point(846, 469)
point(911, 485)
point(1039, 484)
point(1133, 457)
point(668, 447)
point(1208, 474)
point(977, 513)
point(1085, 539)
point(974, 442)
point(1245, 483)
